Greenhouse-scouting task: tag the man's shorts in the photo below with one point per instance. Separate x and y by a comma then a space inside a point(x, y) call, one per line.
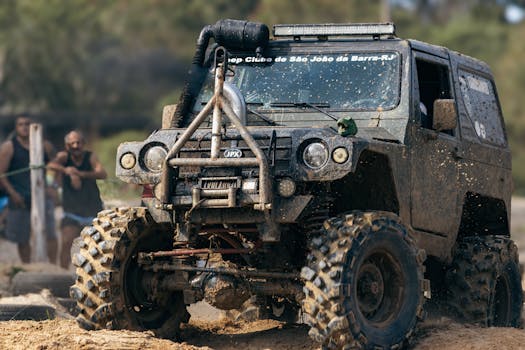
point(18, 225)
point(71, 219)
point(4, 200)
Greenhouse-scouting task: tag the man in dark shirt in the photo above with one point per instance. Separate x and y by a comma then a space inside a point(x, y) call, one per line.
point(14, 159)
point(80, 194)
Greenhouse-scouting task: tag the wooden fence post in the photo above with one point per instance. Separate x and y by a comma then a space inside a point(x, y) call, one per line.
point(38, 209)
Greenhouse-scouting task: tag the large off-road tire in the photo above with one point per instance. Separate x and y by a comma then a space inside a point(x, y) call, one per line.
point(109, 286)
point(364, 283)
point(484, 282)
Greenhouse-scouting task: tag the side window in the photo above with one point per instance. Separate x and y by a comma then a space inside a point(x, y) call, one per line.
point(482, 108)
point(434, 84)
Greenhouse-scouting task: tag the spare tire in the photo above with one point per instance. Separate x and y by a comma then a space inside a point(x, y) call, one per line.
point(33, 282)
point(20, 312)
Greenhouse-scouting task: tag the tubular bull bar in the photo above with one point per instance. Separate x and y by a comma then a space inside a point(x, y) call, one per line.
point(220, 102)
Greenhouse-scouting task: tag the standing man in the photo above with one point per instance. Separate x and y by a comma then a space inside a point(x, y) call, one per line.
point(80, 195)
point(14, 159)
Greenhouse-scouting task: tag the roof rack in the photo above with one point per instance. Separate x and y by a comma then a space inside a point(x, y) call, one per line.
point(334, 29)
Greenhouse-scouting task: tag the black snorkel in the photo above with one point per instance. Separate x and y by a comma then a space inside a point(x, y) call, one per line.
point(230, 33)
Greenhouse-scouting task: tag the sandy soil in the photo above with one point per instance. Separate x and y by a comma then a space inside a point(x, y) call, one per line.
point(226, 335)
point(209, 330)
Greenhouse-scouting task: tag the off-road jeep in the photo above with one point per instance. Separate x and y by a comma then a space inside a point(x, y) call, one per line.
point(335, 172)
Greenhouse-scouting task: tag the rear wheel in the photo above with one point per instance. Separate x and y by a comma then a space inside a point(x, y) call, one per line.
point(484, 282)
point(110, 285)
point(364, 282)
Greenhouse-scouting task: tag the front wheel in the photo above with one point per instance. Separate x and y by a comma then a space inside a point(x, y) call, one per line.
point(364, 282)
point(110, 287)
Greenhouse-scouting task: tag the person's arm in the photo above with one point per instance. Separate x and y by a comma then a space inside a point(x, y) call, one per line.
point(6, 154)
point(98, 171)
point(57, 163)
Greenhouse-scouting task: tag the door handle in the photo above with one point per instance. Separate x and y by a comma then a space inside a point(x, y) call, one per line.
point(457, 154)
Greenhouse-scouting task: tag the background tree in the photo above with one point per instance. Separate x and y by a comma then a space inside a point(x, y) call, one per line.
point(100, 61)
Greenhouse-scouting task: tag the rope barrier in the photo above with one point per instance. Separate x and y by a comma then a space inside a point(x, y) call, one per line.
point(18, 171)
point(22, 170)
point(30, 167)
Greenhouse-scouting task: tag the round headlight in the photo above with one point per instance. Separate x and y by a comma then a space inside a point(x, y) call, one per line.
point(315, 155)
point(154, 158)
point(128, 161)
point(340, 155)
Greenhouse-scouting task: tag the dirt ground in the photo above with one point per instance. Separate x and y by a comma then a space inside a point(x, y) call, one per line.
point(209, 330)
point(226, 335)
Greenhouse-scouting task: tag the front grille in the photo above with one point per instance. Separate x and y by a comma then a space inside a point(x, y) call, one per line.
point(201, 148)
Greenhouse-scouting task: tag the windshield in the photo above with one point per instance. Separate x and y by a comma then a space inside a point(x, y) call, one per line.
point(337, 82)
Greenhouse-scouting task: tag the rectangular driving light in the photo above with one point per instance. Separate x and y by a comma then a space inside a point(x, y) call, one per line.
point(334, 29)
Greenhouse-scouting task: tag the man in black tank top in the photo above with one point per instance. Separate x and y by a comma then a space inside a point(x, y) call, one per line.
point(14, 157)
point(80, 194)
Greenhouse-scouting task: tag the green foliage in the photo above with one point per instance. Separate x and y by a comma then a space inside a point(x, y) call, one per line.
point(44, 47)
point(297, 11)
point(482, 38)
point(518, 169)
point(510, 75)
point(485, 40)
point(131, 56)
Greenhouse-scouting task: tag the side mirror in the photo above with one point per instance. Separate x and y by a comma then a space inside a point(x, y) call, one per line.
point(445, 115)
point(168, 114)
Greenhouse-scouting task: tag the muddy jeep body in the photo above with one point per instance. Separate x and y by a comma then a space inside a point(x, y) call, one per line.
point(268, 193)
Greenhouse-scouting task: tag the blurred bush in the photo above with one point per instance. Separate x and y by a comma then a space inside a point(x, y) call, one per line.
point(90, 58)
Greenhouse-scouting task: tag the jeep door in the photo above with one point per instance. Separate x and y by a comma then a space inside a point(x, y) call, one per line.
point(434, 170)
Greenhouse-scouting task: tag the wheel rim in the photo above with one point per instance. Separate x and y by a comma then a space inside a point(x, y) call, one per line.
point(145, 311)
point(502, 302)
point(370, 288)
point(379, 288)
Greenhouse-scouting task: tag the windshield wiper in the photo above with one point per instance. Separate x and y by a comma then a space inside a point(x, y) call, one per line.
point(316, 106)
point(266, 119)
